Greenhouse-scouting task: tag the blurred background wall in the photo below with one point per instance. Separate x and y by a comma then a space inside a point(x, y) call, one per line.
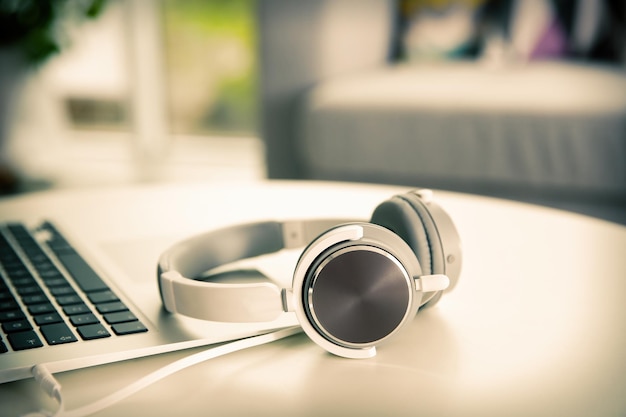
point(429, 93)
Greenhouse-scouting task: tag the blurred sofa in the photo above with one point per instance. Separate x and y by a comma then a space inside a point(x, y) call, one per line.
point(335, 106)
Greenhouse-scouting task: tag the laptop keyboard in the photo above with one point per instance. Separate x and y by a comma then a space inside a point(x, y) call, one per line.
point(49, 295)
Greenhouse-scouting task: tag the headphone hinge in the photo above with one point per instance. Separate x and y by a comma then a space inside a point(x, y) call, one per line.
point(167, 291)
point(425, 194)
point(430, 283)
point(286, 296)
point(293, 234)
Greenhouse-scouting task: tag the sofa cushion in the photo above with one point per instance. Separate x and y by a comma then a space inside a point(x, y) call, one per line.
point(552, 126)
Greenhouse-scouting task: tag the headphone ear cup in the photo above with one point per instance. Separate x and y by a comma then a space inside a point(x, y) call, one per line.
point(432, 234)
point(354, 287)
point(400, 217)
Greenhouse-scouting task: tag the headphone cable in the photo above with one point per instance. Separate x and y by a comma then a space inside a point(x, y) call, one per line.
point(52, 387)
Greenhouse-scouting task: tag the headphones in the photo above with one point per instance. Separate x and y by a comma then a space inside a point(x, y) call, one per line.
point(355, 285)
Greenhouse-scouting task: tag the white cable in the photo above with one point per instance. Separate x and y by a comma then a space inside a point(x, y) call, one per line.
point(50, 385)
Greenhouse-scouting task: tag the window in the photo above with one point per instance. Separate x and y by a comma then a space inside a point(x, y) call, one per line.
point(149, 88)
point(210, 65)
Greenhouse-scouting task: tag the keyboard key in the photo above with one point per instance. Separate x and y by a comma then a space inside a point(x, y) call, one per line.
point(55, 282)
point(85, 276)
point(50, 274)
point(48, 318)
point(59, 246)
point(35, 299)
point(56, 241)
point(24, 340)
point(111, 307)
point(41, 308)
point(45, 267)
point(22, 282)
point(64, 290)
point(76, 309)
point(102, 297)
point(65, 300)
point(82, 319)
point(16, 269)
point(93, 331)
point(11, 315)
point(29, 290)
point(16, 326)
point(8, 305)
point(128, 328)
point(57, 334)
point(121, 317)
point(3, 347)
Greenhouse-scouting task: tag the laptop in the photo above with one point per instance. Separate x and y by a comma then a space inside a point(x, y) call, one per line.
point(69, 306)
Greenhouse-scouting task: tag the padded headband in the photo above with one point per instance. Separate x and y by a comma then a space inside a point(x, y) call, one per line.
point(255, 302)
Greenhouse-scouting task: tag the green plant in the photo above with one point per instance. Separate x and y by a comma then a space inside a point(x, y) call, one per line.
point(34, 27)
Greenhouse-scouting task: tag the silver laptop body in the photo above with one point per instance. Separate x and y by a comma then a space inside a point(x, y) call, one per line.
point(71, 305)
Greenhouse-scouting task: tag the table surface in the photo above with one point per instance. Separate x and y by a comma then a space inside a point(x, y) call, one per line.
point(536, 325)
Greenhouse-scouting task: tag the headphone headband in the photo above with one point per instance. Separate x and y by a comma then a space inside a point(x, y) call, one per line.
point(255, 302)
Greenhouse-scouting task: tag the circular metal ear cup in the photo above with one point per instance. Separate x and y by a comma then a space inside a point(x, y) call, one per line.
point(358, 295)
point(354, 287)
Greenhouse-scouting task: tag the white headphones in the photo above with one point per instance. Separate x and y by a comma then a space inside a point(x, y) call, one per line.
point(355, 285)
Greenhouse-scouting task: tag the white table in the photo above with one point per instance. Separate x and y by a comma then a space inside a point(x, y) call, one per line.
point(536, 326)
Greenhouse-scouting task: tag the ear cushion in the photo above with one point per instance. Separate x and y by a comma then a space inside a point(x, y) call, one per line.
point(399, 216)
point(432, 234)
